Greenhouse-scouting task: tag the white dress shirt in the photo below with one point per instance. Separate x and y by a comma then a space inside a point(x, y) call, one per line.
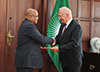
point(67, 24)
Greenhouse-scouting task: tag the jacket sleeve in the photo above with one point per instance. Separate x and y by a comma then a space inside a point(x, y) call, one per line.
point(33, 33)
point(75, 40)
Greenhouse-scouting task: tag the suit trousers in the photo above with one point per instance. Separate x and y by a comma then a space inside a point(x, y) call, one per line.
point(71, 69)
point(24, 69)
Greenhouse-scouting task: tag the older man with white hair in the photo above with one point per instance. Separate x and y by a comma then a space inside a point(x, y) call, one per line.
point(69, 39)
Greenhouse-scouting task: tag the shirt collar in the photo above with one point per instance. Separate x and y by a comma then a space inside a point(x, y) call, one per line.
point(69, 21)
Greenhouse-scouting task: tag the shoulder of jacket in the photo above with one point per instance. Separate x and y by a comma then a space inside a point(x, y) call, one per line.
point(30, 24)
point(74, 22)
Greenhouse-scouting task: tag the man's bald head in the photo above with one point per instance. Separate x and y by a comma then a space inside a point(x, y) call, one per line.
point(31, 15)
point(30, 11)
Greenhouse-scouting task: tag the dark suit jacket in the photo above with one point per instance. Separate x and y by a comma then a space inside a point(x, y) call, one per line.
point(28, 52)
point(70, 47)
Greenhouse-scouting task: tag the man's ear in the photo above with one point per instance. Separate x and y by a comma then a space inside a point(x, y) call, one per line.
point(29, 17)
point(67, 15)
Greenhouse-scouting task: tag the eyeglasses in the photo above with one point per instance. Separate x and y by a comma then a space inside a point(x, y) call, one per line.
point(33, 15)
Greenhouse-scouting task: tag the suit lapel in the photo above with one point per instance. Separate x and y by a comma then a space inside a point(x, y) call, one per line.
point(66, 31)
point(62, 36)
point(61, 31)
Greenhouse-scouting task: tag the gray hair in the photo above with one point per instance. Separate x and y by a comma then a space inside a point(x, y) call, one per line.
point(66, 10)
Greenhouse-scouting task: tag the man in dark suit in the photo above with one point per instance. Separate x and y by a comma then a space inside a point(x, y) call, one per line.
point(69, 39)
point(28, 53)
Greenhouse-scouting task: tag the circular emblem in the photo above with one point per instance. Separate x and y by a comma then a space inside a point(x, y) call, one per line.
point(95, 44)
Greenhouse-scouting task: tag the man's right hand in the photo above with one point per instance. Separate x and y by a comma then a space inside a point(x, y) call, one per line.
point(54, 42)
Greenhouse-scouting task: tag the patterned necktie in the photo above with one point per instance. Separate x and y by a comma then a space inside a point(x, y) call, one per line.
point(64, 29)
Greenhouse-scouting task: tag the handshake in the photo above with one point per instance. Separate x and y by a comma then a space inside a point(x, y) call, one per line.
point(55, 48)
point(54, 42)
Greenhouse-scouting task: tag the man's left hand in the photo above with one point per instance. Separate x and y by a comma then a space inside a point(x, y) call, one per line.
point(55, 49)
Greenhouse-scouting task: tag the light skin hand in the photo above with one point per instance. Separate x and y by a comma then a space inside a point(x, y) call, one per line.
point(41, 47)
point(54, 42)
point(55, 49)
